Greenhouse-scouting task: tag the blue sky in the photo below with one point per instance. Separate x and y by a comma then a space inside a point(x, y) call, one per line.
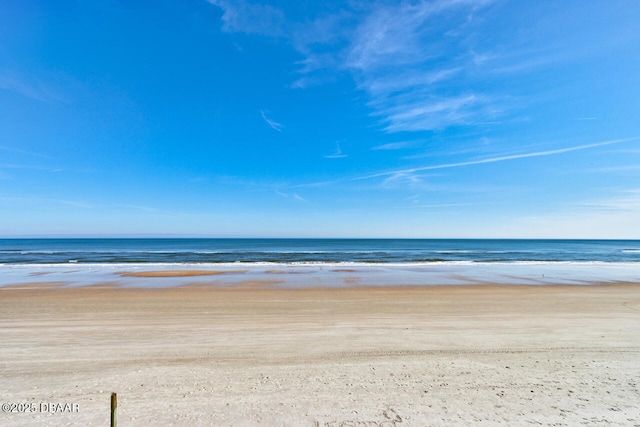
point(441, 118)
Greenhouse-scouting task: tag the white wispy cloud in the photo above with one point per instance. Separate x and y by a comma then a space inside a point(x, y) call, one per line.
point(399, 34)
point(518, 60)
point(626, 151)
point(250, 18)
point(337, 154)
point(428, 112)
point(616, 217)
point(139, 208)
point(396, 52)
point(20, 151)
point(403, 56)
point(30, 167)
point(625, 200)
point(13, 200)
point(412, 175)
point(615, 169)
point(274, 125)
point(396, 145)
point(403, 179)
point(38, 202)
point(423, 65)
point(294, 196)
point(410, 79)
point(35, 89)
point(497, 159)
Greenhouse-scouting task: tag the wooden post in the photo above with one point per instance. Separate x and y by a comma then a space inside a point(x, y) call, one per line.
point(114, 410)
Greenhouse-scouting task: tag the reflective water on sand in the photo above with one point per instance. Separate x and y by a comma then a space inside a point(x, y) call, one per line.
point(320, 275)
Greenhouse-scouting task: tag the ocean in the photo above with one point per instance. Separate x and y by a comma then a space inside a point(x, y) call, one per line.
point(328, 262)
point(300, 251)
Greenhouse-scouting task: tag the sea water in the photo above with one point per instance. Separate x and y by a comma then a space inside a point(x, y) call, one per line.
point(322, 262)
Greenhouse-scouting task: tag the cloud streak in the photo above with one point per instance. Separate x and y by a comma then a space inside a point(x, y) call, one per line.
point(337, 154)
point(28, 153)
point(273, 124)
point(408, 176)
point(12, 201)
point(293, 196)
point(607, 218)
point(495, 159)
point(31, 88)
point(396, 145)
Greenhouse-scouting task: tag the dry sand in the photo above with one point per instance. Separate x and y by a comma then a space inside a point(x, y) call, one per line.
point(430, 356)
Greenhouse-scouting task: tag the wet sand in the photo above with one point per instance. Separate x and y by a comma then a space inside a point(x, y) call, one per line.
point(253, 355)
point(180, 273)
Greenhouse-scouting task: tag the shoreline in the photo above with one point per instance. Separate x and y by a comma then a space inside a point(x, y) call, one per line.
point(288, 276)
point(239, 286)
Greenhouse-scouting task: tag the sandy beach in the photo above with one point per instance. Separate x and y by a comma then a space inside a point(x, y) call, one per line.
point(251, 355)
